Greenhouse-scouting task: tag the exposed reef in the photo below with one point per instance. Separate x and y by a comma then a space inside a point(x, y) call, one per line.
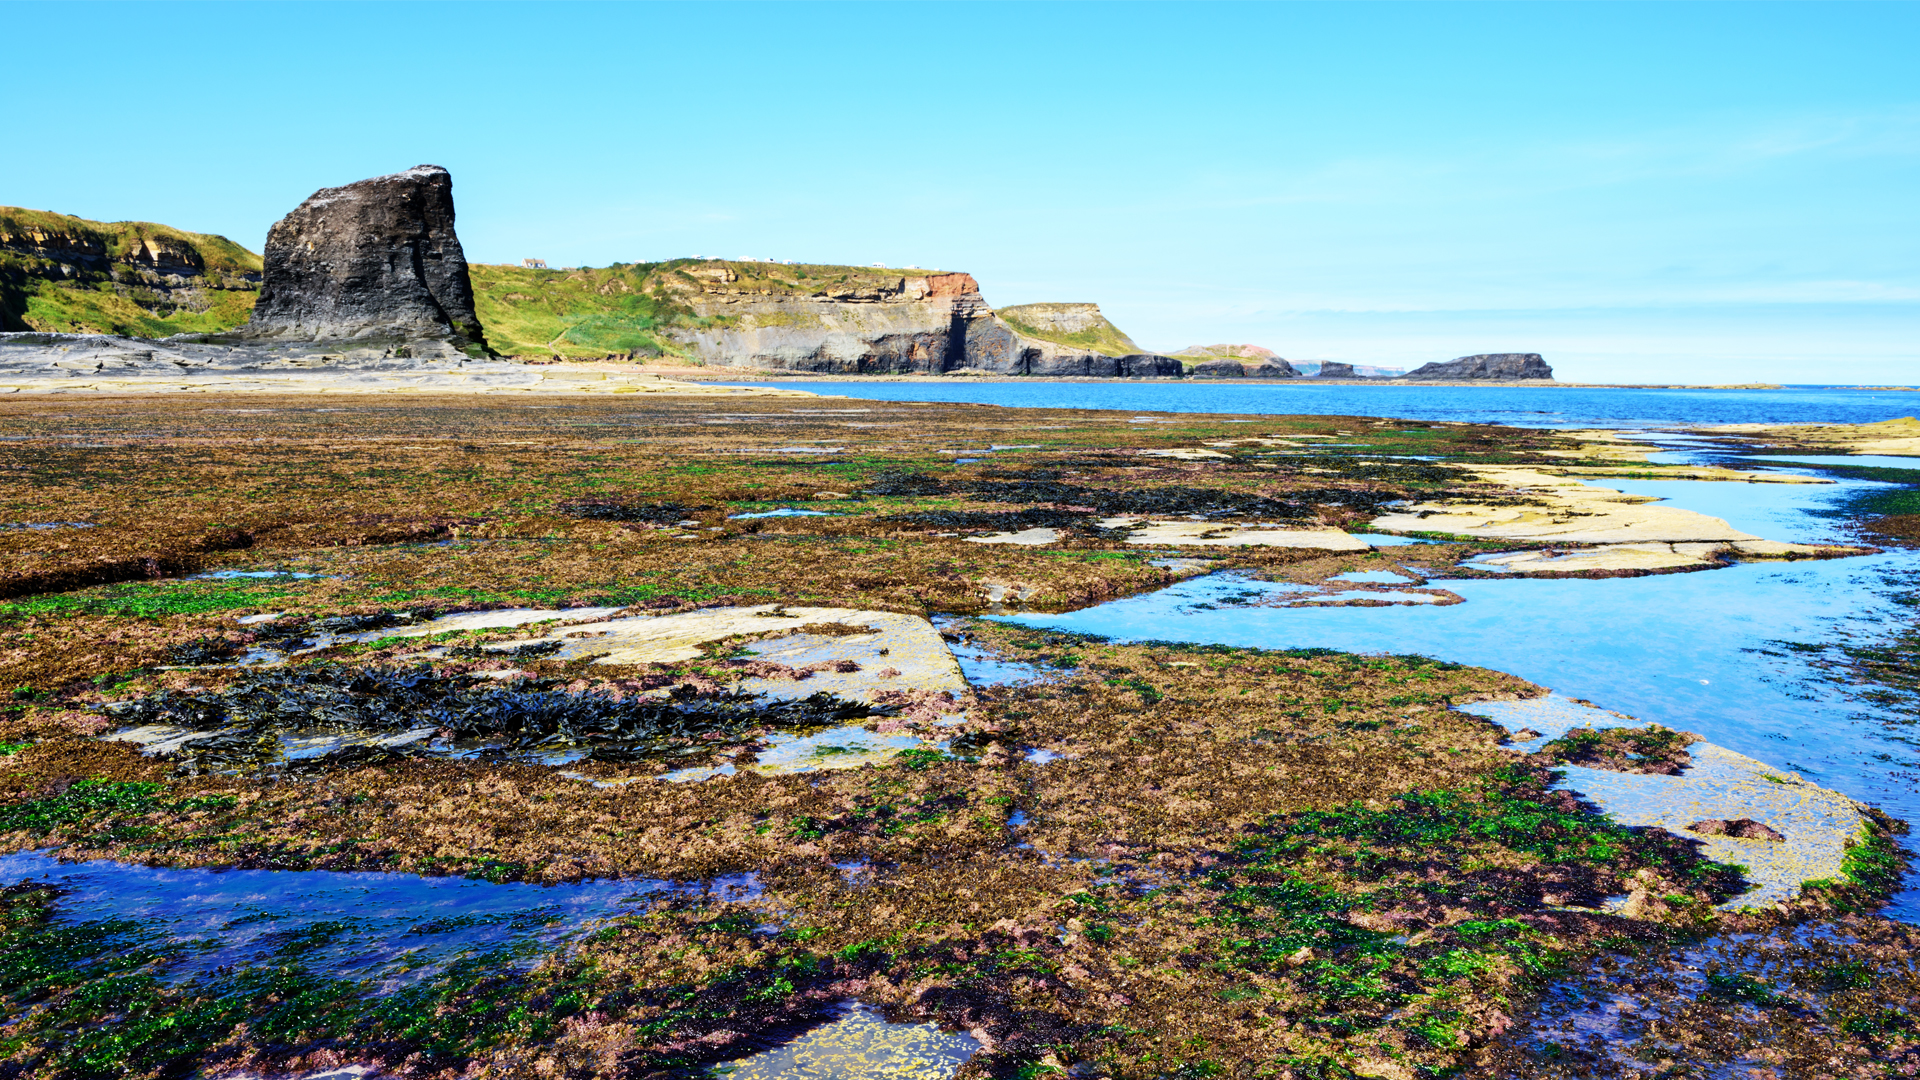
point(720, 659)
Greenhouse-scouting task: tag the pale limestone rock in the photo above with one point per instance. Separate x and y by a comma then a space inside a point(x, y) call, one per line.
point(1232, 534)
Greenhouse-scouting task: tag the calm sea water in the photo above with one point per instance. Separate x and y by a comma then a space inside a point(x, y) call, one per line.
point(1519, 405)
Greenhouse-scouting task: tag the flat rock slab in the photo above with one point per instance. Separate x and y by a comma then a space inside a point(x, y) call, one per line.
point(905, 652)
point(1188, 455)
point(1026, 537)
point(1232, 534)
point(1818, 823)
point(1898, 437)
point(1567, 510)
point(850, 747)
point(484, 620)
point(1649, 556)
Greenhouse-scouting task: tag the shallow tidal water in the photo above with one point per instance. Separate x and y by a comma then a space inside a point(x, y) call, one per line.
point(1712, 652)
point(388, 929)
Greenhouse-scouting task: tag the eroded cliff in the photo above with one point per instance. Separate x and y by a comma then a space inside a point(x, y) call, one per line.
point(851, 320)
point(70, 275)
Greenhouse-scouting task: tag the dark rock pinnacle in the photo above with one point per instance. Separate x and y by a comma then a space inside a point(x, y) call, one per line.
point(377, 259)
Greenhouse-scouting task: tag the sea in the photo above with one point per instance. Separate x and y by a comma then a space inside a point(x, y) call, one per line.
point(1523, 406)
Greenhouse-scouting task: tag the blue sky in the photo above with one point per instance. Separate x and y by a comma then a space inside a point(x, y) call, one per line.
point(1717, 192)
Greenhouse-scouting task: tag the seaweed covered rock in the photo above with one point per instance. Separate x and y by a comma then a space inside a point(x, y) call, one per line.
point(374, 259)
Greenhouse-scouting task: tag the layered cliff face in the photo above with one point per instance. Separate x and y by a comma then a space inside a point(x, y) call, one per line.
point(70, 275)
point(849, 320)
point(376, 259)
point(829, 319)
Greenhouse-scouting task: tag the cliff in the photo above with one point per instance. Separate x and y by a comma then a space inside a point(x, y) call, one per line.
point(378, 260)
point(1070, 326)
point(71, 275)
point(853, 320)
point(1500, 367)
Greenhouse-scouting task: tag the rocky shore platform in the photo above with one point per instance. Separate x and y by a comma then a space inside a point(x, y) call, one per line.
point(34, 363)
point(744, 657)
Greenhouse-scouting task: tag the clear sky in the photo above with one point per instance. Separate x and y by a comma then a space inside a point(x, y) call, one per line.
point(1716, 192)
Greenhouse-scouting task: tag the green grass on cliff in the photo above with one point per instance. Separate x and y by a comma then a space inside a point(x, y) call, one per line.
point(216, 252)
point(30, 302)
point(575, 313)
point(50, 294)
point(1103, 337)
point(628, 306)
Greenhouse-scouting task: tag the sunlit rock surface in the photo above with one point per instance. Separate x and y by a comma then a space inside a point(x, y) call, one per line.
point(1232, 534)
point(861, 1045)
point(1818, 823)
point(903, 652)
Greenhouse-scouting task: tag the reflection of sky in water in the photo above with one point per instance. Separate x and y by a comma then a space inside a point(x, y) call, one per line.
point(391, 928)
point(861, 1043)
point(1386, 540)
point(981, 666)
point(1692, 651)
point(785, 511)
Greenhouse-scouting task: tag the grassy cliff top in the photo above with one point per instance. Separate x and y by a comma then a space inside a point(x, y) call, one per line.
point(1079, 326)
point(588, 311)
point(120, 238)
point(1255, 353)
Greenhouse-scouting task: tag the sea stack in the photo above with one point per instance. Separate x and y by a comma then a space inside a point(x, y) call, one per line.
point(1333, 369)
point(374, 260)
point(1503, 367)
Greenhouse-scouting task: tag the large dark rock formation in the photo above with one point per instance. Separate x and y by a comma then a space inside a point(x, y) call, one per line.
point(1219, 369)
point(373, 260)
point(1333, 369)
point(1495, 366)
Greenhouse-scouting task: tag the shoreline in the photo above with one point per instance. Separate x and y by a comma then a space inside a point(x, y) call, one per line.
point(762, 375)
